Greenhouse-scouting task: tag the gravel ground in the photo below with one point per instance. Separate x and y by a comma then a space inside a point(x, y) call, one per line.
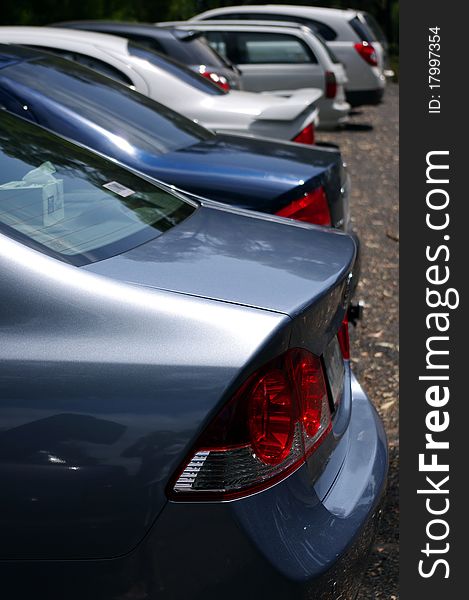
point(370, 148)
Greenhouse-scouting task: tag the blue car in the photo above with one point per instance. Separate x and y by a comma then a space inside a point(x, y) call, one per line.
point(178, 416)
point(293, 180)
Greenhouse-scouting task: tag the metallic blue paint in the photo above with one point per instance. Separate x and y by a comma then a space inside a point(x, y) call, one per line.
point(106, 381)
point(222, 255)
point(287, 542)
point(112, 119)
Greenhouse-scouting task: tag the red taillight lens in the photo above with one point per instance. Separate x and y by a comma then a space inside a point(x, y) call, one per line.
point(271, 417)
point(344, 340)
point(367, 52)
point(312, 208)
point(277, 418)
point(331, 85)
point(215, 78)
point(306, 135)
point(313, 393)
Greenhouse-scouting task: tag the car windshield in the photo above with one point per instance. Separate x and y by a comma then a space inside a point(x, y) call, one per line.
point(178, 70)
point(72, 204)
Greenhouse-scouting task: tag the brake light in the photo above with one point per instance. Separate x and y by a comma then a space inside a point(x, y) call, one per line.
point(312, 207)
point(367, 52)
point(271, 423)
point(344, 340)
point(313, 396)
point(220, 80)
point(306, 135)
point(331, 85)
point(277, 418)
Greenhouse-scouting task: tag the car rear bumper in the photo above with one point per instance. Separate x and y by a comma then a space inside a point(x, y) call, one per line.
point(333, 113)
point(365, 97)
point(292, 541)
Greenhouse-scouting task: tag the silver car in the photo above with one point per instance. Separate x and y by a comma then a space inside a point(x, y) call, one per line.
point(354, 36)
point(276, 57)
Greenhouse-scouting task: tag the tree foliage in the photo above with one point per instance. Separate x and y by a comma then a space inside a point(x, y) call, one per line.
point(41, 12)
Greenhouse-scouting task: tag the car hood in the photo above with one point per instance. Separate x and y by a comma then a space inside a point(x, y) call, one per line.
point(244, 171)
point(257, 261)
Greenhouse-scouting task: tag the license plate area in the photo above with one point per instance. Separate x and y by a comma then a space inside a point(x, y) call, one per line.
point(335, 370)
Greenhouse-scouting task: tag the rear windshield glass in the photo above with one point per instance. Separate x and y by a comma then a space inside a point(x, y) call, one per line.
point(199, 52)
point(178, 70)
point(317, 26)
point(328, 50)
point(72, 204)
point(326, 32)
point(69, 91)
point(374, 27)
point(144, 40)
point(187, 47)
point(361, 30)
point(90, 62)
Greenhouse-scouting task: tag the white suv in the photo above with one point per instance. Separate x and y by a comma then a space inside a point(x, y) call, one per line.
point(276, 57)
point(353, 36)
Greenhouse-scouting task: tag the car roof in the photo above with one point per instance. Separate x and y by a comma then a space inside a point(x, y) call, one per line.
point(260, 24)
point(290, 8)
point(148, 29)
point(44, 34)
point(330, 16)
point(312, 9)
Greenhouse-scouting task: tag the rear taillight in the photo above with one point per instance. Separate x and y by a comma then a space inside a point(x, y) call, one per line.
point(367, 52)
point(331, 85)
point(312, 207)
point(343, 337)
point(277, 418)
point(313, 398)
point(219, 80)
point(306, 135)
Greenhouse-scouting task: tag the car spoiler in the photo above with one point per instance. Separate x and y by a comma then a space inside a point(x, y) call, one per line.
point(295, 103)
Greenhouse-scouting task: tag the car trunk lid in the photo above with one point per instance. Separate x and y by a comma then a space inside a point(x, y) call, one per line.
point(221, 254)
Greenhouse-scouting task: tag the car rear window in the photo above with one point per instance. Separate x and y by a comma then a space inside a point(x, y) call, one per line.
point(91, 62)
point(374, 27)
point(177, 69)
point(328, 50)
point(187, 47)
point(317, 26)
point(199, 52)
point(72, 204)
point(144, 40)
point(361, 30)
point(66, 92)
point(259, 48)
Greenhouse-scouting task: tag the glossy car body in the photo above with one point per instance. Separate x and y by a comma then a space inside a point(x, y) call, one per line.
point(109, 373)
point(342, 31)
point(187, 47)
point(274, 56)
point(173, 84)
point(110, 118)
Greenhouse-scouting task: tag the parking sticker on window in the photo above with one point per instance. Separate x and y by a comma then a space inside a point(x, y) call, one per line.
point(119, 189)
